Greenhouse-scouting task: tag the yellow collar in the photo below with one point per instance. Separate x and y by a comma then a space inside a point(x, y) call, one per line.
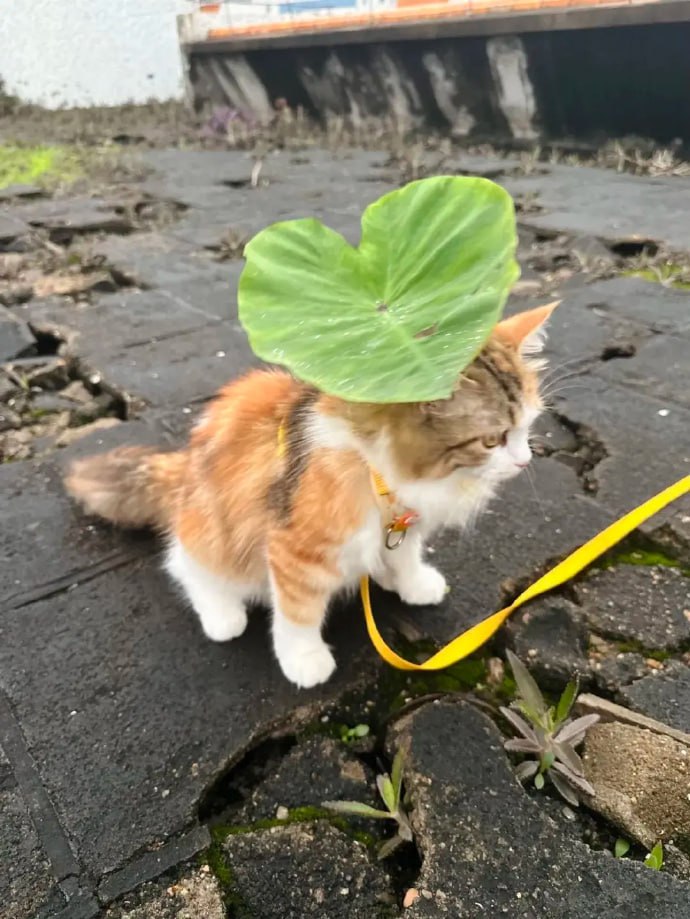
point(397, 519)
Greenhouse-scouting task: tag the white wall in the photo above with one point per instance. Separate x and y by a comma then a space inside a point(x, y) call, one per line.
point(91, 52)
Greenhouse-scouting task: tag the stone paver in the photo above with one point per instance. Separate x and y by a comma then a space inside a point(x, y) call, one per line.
point(118, 716)
point(344, 885)
point(639, 603)
point(490, 850)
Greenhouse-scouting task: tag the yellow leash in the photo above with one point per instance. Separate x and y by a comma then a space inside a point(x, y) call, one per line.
point(475, 636)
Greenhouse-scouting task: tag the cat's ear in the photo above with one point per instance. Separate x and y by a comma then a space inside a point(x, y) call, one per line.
point(526, 331)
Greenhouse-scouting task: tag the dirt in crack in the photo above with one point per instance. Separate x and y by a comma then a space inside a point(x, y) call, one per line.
point(232, 788)
point(249, 796)
point(55, 250)
point(48, 400)
point(573, 444)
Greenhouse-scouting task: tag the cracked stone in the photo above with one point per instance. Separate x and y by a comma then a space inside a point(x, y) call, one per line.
point(316, 770)
point(642, 783)
point(50, 373)
point(490, 849)
point(65, 218)
point(182, 369)
point(660, 366)
point(661, 309)
point(649, 605)
point(664, 695)
point(626, 426)
point(673, 535)
point(344, 885)
point(16, 339)
point(11, 228)
point(26, 880)
point(551, 638)
point(552, 436)
point(116, 322)
point(600, 203)
point(11, 264)
point(20, 190)
point(191, 896)
point(9, 419)
point(618, 670)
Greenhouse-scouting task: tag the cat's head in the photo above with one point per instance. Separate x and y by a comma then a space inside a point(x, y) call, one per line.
point(482, 429)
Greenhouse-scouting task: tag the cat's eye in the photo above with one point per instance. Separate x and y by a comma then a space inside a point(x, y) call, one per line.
point(494, 440)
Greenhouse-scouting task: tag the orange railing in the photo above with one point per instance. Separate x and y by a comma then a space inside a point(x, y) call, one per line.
point(406, 11)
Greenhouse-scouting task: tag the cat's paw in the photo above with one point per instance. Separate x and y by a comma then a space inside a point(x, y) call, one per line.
point(424, 587)
point(308, 667)
point(223, 625)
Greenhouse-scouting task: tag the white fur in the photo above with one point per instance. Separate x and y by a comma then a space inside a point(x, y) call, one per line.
point(218, 602)
point(303, 655)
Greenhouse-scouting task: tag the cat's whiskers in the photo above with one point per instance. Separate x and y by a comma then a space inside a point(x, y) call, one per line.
point(551, 385)
point(553, 369)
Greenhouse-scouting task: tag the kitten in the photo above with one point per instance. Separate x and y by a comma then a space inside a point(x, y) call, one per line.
point(273, 499)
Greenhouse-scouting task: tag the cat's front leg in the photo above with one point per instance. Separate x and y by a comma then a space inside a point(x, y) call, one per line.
point(405, 571)
point(300, 595)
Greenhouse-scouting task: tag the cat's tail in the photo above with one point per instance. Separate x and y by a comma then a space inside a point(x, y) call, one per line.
point(129, 486)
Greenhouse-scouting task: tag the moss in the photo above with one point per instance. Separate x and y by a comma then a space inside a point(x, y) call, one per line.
point(296, 815)
point(28, 165)
point(636, 647)
point(635, 552)
point(215, 858)
point(668, 274)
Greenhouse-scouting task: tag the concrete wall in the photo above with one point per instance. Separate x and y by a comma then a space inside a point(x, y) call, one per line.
point(91, 52)
point(583, 84)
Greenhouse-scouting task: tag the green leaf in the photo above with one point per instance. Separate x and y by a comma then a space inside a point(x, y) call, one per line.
point(356, 809)
point(360, 730)
point(398, 318)
point(389, 846)
point(621, 848)
point(655, 859)
point(385, 787)
point(530, 694)
point(539, 781)
point(396, 774)
point(565, 703)
point(547, 760)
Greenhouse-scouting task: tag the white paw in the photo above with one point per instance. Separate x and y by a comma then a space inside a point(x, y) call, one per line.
point(425, 587)
point(307, 667)
point(225, 625)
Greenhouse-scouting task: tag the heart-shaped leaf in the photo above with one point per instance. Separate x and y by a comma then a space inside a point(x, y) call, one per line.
point(398, 318)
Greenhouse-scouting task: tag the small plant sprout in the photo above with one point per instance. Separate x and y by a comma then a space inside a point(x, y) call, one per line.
point(348, 735)
point(549, 734)
point(621, 848)
point(390, 790)
point(655, 859)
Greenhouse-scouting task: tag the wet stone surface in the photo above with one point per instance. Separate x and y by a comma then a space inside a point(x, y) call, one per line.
point(663, 695)
point(344, 885)
point(120, 720)
point(318, 769)
point(649, 605)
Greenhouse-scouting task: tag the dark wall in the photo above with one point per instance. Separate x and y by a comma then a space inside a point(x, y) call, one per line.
point(579, 84)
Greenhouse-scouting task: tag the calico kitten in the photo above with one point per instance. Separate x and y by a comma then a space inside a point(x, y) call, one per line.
point(273, 499)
